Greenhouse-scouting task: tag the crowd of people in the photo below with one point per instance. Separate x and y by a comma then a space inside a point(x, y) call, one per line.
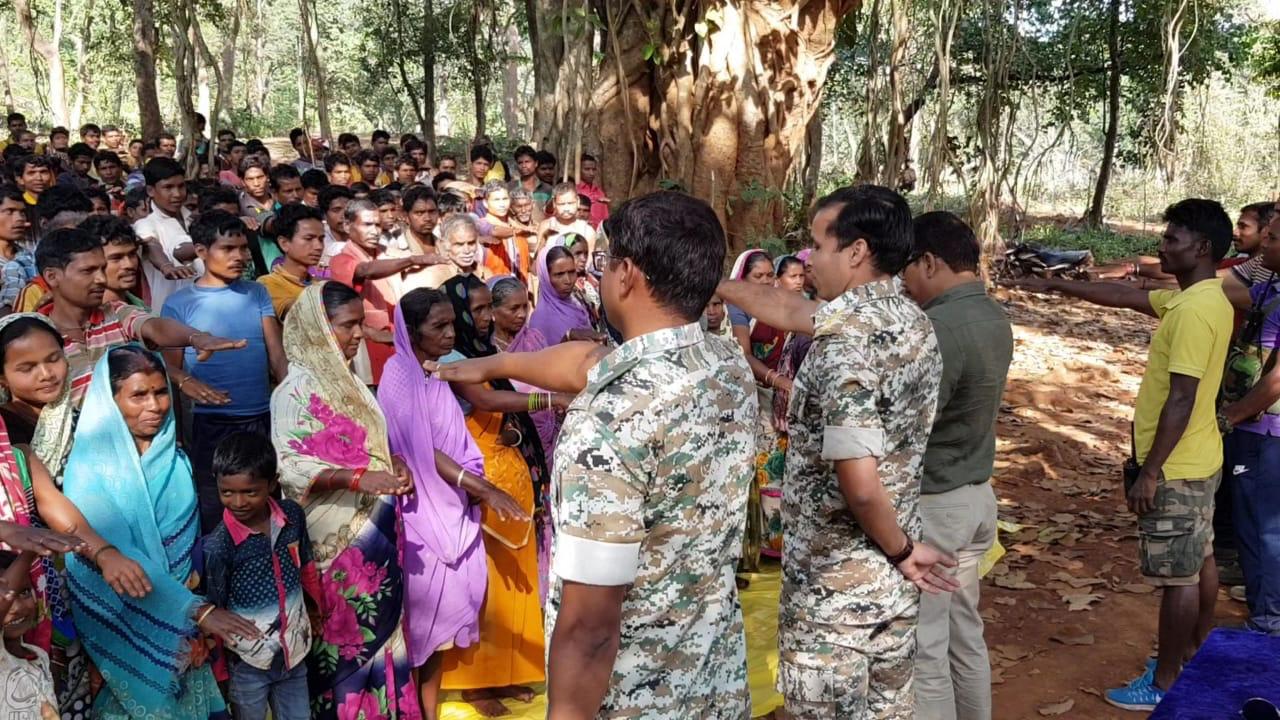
point(328, 435)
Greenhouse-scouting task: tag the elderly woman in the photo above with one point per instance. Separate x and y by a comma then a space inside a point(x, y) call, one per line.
point(459, 243)
point(335, 461)
point(134, 486)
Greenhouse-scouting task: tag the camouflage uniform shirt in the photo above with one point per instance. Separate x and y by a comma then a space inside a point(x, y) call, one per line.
point(869, 387)
point(650, 491)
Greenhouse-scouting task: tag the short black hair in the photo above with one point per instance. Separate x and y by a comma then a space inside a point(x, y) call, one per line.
point(286, 223)
point(1206, 219)
point(335, 295)
point(483, 152)
point(677, 242)
point(213, 197)
point(23, 327)
point(235, 144)
point(414, 194)
point(380, 135)
point(87, 128)
point(382, 197)
point(59, 130)
point(125, 361)
point(365, 156)
point(314, 179)
point(206, 229)
point(159, 169)
point(245, 453)
point(1263, 210)
point(60, 199)
point(525, 151)
point(14, 116)
point(449, 202)
point(11, 192)
point(544, 157)
point(346, 137)
point(19, 165)
point(334, 159)
point(332, 192)
point(81, 150)
point(105, 157)
point(95, 192)
point(880, 217)
point(947, 237)
point(283, 172)
point(440, 178)
point(110, 230)
point(135, 197)
point(58, 248)
point(296, 134)
point(585, 157)
point(584, 201)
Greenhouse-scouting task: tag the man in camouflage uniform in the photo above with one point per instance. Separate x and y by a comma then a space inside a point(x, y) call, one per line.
point(861, 410)
point(650, 489)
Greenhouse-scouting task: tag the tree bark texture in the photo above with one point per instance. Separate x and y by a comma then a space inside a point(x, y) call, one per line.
point(144, 67)
point(1096, 208)
point(47, 49)
point(713, 97)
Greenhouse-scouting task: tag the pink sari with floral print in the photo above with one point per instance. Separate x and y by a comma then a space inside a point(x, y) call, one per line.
point(323, 418)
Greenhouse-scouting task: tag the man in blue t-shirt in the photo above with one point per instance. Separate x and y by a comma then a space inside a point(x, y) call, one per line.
point(218, 303)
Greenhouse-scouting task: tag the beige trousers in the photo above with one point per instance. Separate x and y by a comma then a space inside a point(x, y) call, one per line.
point(953, 672)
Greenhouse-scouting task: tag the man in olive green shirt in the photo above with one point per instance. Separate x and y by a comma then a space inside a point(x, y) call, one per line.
point(957, 504)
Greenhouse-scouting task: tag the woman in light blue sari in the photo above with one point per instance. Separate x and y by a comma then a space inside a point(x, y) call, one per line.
point(134, 486)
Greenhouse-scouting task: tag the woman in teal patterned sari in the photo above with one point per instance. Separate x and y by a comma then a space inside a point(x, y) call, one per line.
point(134, 487)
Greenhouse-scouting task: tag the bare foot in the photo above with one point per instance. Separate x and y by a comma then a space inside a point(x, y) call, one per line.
point(516, 692)
point(485, 703)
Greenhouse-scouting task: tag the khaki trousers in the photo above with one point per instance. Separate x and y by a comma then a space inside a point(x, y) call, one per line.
point(953, 672)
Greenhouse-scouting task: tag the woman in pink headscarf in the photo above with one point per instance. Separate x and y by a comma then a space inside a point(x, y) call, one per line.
point(445, 571)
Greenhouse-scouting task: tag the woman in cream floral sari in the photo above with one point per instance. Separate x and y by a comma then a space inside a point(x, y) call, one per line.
point(334, 460)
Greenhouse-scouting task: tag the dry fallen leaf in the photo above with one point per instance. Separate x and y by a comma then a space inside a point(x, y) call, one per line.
point(1016, 580)
point(1005, 601)
point(1072, 635)
point(1080, 602)
point(1137, 588)
point(1057, 708)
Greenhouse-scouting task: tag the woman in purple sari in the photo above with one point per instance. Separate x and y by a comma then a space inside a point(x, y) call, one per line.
point(558, 316)
point(445, 572)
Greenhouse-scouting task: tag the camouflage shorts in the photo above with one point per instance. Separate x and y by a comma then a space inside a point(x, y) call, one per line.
point(866, 675)
point(1174, 539)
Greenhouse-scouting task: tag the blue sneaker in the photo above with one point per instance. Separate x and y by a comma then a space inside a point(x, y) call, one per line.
point(1142, 694)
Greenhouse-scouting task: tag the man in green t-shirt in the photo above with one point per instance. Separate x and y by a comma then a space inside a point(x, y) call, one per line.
point(1176, 432)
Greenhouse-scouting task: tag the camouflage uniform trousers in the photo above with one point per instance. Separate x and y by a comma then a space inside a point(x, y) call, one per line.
point(852, 672)
point(1176, 537)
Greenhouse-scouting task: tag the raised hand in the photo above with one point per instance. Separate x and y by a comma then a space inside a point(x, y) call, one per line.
point(38, 540)
point(206, 345)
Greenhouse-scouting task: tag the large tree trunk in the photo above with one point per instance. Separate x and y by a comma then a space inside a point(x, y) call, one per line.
point(994, 123)
point(476, 72)
point(311, 35)
point(5, 71)
point(184, 76)
point(81, 42)
point(144, 68)
point(1094, 217)
point(511, 100)
point(223, 92)
point(718, 104)
point(429, 77)
point(47, 49)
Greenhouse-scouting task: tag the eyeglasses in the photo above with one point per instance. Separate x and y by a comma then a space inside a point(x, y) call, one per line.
point(601, 258)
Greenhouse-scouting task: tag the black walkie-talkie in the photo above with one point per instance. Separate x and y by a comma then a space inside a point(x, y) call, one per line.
point(1131, 466)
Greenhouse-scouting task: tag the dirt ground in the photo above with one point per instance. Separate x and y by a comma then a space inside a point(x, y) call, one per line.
point(1067, 613)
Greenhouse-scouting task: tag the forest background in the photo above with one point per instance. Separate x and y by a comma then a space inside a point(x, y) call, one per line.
point(1071, 122)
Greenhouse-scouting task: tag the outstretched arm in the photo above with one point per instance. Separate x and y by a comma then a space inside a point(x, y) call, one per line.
point(779, 309)
point(1107, 294)
point(560, 368)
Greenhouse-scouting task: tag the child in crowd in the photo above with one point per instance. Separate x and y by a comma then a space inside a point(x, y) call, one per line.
point(258, 564)
point(24, 669)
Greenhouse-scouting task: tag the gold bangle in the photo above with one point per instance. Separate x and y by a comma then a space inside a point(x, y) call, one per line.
point(184, 381)
point(205, 614)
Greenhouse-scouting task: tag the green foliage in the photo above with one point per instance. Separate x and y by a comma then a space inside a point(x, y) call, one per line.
point(1105, 245)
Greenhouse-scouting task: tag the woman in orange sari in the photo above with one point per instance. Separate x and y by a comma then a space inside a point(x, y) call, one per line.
point(510, 654)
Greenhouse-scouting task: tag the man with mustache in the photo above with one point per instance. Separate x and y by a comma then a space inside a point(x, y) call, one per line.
point(221, 302)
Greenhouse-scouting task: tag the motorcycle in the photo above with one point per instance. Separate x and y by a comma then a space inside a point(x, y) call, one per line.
point(1025, 260)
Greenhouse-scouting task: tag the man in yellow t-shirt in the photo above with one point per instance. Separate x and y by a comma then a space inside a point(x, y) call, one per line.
point(1176, 433)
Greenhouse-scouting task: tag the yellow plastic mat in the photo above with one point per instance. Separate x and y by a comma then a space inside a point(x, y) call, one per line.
point(760, 608)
